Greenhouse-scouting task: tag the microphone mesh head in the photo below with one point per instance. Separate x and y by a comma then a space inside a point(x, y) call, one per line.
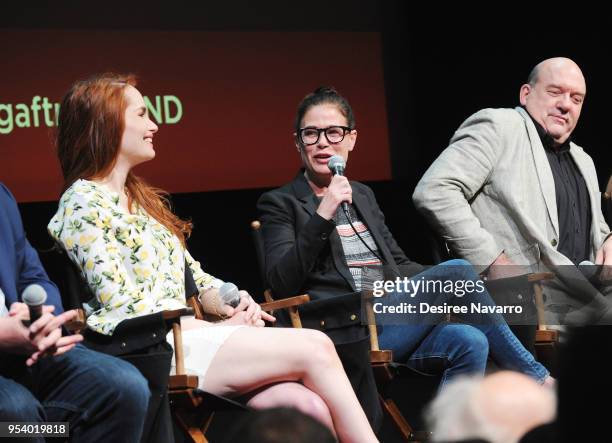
point(34, 295)
point(228, 292)
point(336, 162)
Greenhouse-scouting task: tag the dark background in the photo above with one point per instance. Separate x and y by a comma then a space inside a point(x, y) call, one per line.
point(440, 66)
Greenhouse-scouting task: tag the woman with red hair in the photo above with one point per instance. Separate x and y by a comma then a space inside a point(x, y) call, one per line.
point(131, 249)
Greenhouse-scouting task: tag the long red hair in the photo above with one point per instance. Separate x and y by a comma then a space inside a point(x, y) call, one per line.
point(90, 126)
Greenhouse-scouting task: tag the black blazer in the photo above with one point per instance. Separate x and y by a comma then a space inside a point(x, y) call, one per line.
point(303, 251)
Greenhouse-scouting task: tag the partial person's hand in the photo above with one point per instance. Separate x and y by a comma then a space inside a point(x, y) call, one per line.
point(21, 311)
point(44, 337)
point(253, 315)
point(338, 191)
point(45, 334)
point(604, 257)
point(14, 336)
point(503, 267)
point(239, 318)
point(253, 312)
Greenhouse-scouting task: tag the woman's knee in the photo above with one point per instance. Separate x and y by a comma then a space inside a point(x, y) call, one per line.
point(317, 348)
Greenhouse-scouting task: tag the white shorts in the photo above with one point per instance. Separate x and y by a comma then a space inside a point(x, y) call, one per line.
point(199, 348)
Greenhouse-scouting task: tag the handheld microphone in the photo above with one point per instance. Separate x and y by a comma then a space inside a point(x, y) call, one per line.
point(34, 296)
point(336, 165)
point(228, 292)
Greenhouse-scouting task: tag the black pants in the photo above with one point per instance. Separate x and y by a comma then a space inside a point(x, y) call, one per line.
point(355, 356)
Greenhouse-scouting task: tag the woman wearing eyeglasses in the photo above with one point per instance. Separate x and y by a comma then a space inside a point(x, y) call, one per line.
point(131, 249)
point(312, 245)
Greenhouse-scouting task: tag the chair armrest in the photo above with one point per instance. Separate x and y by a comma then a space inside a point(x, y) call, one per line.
point(286, 303)
point(80, 320)
point(547, 336)
point(78, 324)
point(540, 276)
point(534, 277)
point(384, 356)
point(177, 313)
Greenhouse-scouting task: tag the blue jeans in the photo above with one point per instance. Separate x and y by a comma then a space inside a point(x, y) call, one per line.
point(103, 398)
point(464, 347)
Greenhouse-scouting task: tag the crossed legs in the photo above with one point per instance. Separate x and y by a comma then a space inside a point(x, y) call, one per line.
point(254, 358)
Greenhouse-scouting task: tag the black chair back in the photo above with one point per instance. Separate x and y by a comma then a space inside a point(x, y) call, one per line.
point(73, 288)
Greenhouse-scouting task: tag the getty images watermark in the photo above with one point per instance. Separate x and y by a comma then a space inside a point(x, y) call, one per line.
point(565, 295)
point(440, 293)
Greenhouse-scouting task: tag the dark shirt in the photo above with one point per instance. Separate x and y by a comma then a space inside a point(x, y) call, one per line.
point(573, 201)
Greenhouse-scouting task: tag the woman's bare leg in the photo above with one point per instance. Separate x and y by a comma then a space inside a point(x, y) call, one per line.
point(255, 357)
point(293, 395)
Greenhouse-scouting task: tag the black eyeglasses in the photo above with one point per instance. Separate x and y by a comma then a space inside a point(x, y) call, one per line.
point(333, 134)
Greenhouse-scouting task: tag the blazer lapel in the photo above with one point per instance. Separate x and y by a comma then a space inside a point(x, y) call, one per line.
point(545, 177)
point(304, 193)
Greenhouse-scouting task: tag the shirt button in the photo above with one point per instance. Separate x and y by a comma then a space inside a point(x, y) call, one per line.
point(322, 323)
point(123, 345)
point(553, 242)
point(154, 335)
point(353, 317)
point(324, 236)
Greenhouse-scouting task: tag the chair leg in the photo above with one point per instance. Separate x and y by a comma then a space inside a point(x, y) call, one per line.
point(398, 419)
point(190, 424)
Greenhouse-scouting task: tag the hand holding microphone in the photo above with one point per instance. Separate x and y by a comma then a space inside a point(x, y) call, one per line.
point(34, 296)
point(221, 301)
point(229, 294)
point(339, 191)
point(238, 305)
point(44, 335)
point(247, 310)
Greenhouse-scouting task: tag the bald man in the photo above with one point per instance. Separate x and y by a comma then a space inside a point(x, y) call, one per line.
point(512, 188)
point(500, 408)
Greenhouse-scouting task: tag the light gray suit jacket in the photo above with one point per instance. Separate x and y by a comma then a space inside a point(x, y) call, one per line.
point(492, 190)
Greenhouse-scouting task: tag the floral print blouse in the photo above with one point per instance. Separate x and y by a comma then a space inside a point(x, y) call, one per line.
point(134, 264)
